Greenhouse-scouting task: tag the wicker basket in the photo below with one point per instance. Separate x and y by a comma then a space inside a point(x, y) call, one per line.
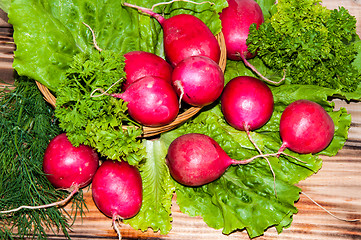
point(181, 118)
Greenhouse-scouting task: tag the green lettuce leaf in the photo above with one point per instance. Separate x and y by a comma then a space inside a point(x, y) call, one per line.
point(268, 7)
point(5, 5)
point(158, 189)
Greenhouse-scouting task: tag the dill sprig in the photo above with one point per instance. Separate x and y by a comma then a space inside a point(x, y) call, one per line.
point(27, 124)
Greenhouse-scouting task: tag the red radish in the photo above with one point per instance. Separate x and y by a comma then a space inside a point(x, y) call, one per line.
point(247, 103)
point(66, 167)
point(236, 20)
point(196, 159)
point(139, 64)
point(184, 35)
point(151, 101)
point(198, 80)
point(117, 190)
point(305, 127)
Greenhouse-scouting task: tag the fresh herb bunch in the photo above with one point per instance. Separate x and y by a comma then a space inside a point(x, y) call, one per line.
point(27, 124)
point(92, 118)
point(314, 44)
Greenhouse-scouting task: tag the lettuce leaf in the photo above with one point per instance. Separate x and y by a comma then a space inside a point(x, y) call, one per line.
point(158, 189)
point(5, 5)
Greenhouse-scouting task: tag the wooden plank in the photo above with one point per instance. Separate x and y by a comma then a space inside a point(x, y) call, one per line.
point(7, 48)
point(337, 186)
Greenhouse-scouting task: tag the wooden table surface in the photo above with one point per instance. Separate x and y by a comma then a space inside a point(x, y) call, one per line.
point(337, 186)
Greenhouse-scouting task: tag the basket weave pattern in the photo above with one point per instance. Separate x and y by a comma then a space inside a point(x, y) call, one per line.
point(181, 118)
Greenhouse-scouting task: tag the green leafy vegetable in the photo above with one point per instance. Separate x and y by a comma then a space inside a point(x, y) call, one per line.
point(157, 193)
point(27, 124)
point(315, 45)
point(5, 5)
point(56, 49)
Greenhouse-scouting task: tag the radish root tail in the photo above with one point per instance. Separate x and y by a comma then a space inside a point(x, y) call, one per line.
point(116, 219)
point(179, 86)
point(246, 127)
point(333, 215)
point(75, 189)
point(94, 38)
point(102, 91)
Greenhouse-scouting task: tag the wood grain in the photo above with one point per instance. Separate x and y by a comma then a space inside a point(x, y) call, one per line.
point(337, 186)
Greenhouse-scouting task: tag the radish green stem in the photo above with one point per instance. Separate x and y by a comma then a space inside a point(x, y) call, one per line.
point(148, 11)
point(281, 151)
point(102, 91)
point(246, 161)
point(59, 203)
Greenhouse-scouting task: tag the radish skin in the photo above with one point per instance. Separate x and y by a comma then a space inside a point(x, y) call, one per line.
point(67, 166)
point(198, 80)
point(151, 101)
point(305, 127)
point(247, 103)
point(139, 64)
point(117, 189)
point(236, 20)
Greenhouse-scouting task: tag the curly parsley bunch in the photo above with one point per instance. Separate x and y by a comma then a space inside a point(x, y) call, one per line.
point(314, 44)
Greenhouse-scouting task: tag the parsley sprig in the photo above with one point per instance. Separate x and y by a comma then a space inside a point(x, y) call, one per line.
point(98, 121)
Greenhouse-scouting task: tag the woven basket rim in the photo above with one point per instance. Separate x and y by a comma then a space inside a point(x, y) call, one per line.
point(152, 131)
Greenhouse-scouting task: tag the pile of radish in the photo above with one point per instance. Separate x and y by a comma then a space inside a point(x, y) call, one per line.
point(196, 159)
point(154, 88)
